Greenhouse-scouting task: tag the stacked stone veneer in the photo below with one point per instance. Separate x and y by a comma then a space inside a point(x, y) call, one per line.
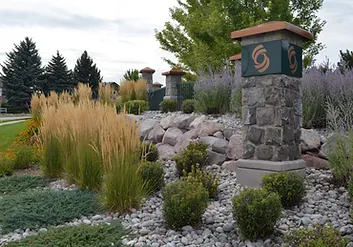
point(272, 118)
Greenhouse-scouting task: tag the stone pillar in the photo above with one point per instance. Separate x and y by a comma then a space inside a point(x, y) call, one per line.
point(271, 78)
point(173, 85)
point(147, 74)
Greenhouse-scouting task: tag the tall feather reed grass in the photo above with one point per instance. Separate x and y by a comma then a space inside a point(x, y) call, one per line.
point(131, 90)
point(89, 144)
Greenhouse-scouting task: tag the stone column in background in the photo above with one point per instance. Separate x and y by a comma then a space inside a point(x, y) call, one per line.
point(271, 70)
point(147, 74)
point(173, 85)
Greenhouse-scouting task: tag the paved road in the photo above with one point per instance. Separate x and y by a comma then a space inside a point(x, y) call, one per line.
point(13, 117)
point(12, 122)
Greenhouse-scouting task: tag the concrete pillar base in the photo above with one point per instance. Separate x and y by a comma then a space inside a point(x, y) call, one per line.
point(171, 97)
point(250, 172)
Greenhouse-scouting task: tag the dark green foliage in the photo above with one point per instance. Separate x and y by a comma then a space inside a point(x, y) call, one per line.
point(86, 71)
point(6, 168)
point(25, 157)
point(102, 235)
point(153, 174)
point(195, 153)
point(184, 204)
point(256, 211)
point(22, 74)
point(350, 187)
point(168, 105)
point(214, 100)
point(208, 180)
point(131, 75)
point(188, 106)
point(346, 60)
point(149, 152)
point(236, 102)
point(319, 236)
point(289, 186)
point(136, 106)
point(36, 209)
point(58, 76)
point(20, 183)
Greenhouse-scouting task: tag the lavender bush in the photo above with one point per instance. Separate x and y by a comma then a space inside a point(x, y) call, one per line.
point(324, 90)
point(213, 91)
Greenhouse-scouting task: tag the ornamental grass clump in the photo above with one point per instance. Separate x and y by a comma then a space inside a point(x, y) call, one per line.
point(89, 144)
point(133, 90)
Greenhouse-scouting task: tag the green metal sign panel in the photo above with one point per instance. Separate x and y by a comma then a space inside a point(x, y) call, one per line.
point(273, 57)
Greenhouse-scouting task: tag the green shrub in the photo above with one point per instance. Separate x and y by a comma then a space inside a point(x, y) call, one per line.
point(42, 208)
point(53, 157)
point(289, 186)
point(6, 167)
point(25, 157)
point(152, 174)
point(236, 103)
point(101, 235)
point(208, 180)
point(215, 100)
point(149, 152)
point(168, 105)
point(340, 159)
point(184, 204)
point(195, 153)
point(256, 211)
point(319, 236)
point(136, 106)
point(119, 107)
point(20, 183)
point(188, 106)
point(350, 187)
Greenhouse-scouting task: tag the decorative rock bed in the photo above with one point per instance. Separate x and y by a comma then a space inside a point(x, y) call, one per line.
point(172, 132)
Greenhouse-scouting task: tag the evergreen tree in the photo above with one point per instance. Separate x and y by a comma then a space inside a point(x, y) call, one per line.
point(22, 74)
point(86, 71)
point(58, 76)
point(131, 75)
point(346, 60)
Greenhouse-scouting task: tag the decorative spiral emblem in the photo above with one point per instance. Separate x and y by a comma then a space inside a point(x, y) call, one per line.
point(292, 56)
point(263, 66)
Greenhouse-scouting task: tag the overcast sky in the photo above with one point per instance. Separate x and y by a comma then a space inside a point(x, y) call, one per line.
point(119, 35)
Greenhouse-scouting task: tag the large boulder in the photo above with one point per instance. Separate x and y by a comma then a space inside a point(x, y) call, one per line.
point(165, 151)
point(197, 122)
point(331, 143)
point(156, 134)
point(230, 165)
point(216, 158)
point(209, 128)
point(146, 126)
point(167, 122)
point(235, 147)
point(220, 146)
point(185, 139)
point(183, 121)
point(315, 162)
point(310, 140)
point(172, 136)
point(209, 140)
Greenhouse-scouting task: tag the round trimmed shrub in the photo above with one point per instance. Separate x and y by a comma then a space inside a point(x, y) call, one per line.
point(153, 174)
point(149, 152)
point(136, 106)
point(319, 236)
point(256, 211)
point(289, 186)
point(188, 106)
point(194, 154)
point(184, 204)
point(168, 105)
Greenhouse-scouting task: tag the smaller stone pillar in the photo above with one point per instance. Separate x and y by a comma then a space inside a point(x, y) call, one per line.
point(173, 85)
point(271, 70)
point(147, 74)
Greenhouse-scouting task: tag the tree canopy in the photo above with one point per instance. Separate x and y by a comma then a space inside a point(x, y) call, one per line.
point(346, 60)
point(22, 74)
point(131, 75)
point(58, 76)
point(86, 71)
point(199, 36)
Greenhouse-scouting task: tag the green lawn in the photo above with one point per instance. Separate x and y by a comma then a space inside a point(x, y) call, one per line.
point(12, 120)
point(8, 134)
